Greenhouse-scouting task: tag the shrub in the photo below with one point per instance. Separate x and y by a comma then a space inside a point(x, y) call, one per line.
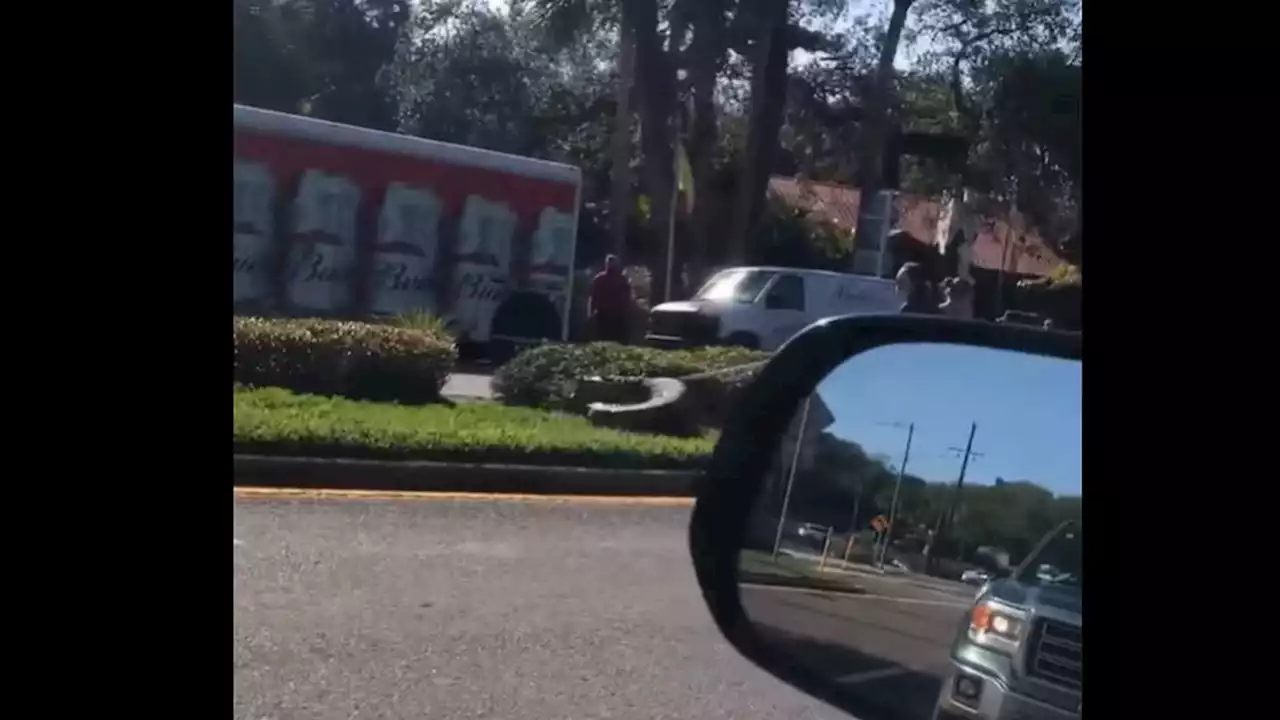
point(433, 325)
point(331, 357)
point(711, 394)
point(546, 376)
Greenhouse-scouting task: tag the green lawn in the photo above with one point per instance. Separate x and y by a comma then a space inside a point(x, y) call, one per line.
point(274, 421)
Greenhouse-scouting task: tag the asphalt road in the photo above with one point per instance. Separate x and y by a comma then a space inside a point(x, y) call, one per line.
point(889, 646)
point(356, 609)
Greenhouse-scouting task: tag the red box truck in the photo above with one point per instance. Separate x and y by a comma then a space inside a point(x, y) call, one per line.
point(339, 221)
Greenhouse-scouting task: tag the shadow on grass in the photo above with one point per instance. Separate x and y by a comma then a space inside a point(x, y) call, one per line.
point(420, 397)
point(387, 398)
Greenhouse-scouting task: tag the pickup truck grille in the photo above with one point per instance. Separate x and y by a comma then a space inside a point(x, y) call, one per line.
point(1056, 654)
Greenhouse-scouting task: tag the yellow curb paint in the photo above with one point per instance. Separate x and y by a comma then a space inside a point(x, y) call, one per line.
point(247, 493)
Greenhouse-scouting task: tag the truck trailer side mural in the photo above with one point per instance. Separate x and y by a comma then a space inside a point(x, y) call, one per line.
point(333, 220)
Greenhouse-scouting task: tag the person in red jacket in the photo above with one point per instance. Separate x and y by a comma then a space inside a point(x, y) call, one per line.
point(609, 302)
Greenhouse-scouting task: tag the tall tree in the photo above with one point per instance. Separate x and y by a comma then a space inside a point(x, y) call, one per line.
point(826, 103)
point(269, 66)
point(620, 145)
point(762, 29)
point(1013, 71)
point(706, 58)
point(874, 134)
point(471, 75)
point(569, 22)
point(1033, 157)
point(319, 57)
point(655, 83)
point(765, 32)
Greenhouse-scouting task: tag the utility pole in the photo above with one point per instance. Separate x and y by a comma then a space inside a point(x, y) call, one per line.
point(964, 465)
point(947, 515)
point(791, 478)
point(897, 486)
point(853, 524)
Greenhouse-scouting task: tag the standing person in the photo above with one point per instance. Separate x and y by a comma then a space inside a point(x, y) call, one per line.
point(914, 290)
point(609, 302)
point(958, 298)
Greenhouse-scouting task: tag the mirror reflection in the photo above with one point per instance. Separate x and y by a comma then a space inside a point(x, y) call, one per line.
point(918, 538)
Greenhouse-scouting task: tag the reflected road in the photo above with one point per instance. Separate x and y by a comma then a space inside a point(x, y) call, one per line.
point(889, 646)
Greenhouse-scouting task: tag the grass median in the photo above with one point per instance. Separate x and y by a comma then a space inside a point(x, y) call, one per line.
point(274, 421)
point(760, 568)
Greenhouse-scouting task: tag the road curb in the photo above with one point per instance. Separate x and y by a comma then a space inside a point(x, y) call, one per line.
point(424, 476)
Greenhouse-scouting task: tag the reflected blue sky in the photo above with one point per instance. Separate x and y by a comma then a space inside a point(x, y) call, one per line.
point(1027, 408)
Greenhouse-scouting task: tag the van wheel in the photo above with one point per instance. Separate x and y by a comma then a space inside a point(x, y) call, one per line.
point(744, 340)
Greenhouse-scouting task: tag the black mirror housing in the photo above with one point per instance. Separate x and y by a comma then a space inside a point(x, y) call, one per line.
point(765, 409)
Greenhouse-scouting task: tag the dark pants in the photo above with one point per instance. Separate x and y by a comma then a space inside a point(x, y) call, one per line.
point(609, 327)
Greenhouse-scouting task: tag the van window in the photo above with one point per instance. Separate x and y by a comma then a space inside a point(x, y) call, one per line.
point(739, 286)
point(786, 294)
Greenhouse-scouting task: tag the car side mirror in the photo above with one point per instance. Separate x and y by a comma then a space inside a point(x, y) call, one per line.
point(871, 424)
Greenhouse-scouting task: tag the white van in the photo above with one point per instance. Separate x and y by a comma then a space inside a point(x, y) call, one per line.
point(762, 307)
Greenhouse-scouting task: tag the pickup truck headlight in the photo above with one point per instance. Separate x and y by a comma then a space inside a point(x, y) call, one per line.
point(996, 626)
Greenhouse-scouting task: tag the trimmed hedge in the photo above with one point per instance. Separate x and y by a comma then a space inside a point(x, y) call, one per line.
point(380, 362)
point(546, 376)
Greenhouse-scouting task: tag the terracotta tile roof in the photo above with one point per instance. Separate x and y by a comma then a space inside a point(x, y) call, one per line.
point(1028, 254)
point(838, 204)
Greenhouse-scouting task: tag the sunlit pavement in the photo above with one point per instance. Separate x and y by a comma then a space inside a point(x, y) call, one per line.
point(351, 609)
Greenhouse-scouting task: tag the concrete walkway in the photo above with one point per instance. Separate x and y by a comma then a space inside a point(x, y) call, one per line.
point(468, 386)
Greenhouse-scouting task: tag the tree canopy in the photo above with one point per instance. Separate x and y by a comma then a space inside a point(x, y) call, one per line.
point(845, 480)
point(543, 77)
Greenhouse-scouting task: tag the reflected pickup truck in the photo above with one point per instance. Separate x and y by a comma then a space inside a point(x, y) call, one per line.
point(1018, 653)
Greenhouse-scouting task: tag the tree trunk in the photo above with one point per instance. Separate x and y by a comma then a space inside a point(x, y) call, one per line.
point(875, 131)
point(710, 45)
point(768, 93)
point(655, 76)
point(620, 204)
point(701, 155)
